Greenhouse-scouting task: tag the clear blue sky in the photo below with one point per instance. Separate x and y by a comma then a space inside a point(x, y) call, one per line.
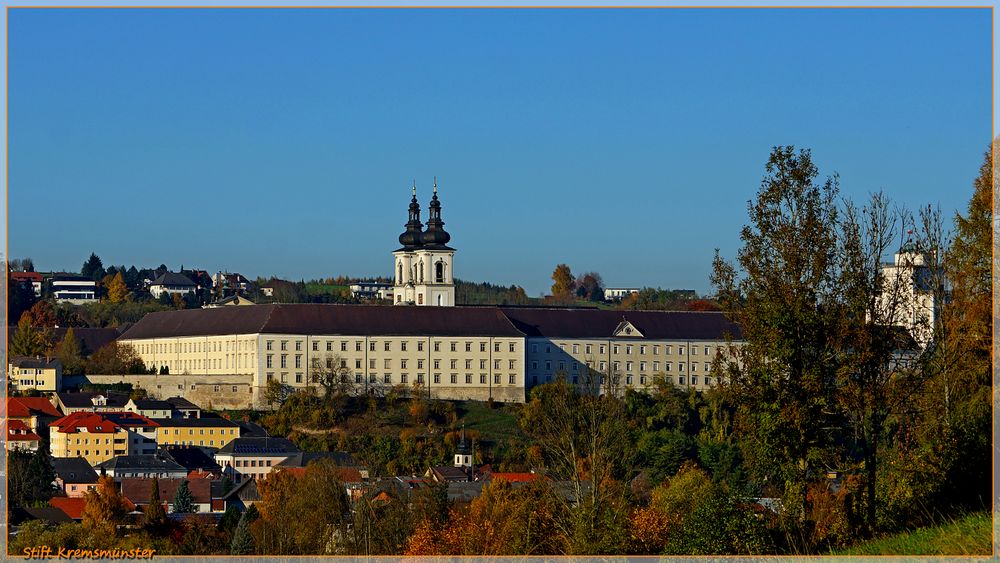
point(628, 142)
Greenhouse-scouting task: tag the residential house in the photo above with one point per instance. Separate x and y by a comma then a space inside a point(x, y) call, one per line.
point(371, 290)
point(142, 431)
point(138, 491)
point(227, 284)
point(194, 459)
point(72, 507)
point(231, 301)
point(70, 403)
point(184, 408)
point(243, 496)
point(35, 412)
point(32, 279)
point(172, 283)
point(39, 373)
point(74, 475)
point(69, 288)
point(253, 458)
point(20, 436)
point(88, 435)
point(159, 465)
point(208, 432)
point(619, 293)
point(150, 407)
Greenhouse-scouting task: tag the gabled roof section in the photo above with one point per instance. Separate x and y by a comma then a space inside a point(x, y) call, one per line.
point(174, 279)
point(595, 323)
point(24, 407)
point(36, 362)
point(626, 329)
point(326, 319)
point(74, 470)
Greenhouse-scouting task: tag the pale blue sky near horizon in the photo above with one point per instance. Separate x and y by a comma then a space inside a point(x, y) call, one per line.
point(284, 142)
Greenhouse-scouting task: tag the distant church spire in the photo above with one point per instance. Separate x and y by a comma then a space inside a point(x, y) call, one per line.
point(411, 236)
point(435, 235)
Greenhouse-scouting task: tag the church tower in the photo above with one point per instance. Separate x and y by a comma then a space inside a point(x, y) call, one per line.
point(423, 266)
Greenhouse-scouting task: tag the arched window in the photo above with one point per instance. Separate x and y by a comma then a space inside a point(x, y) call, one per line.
point(439, 271)
point(399, 276)
point(421, 271)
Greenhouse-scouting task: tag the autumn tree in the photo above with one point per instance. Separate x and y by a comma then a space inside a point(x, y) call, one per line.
point(69, 351)
point(590, 286)
point(583, 440)
point(242, 543)
point(117, 292)
point(116, 358)
point(319, 501)
point(564, 282)
point(42, 315)
point(27, 340)
point(104, 509)
point(781, 380)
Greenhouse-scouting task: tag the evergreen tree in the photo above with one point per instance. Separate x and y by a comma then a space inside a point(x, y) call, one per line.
point(27, 341)
point(156, 516)
point(242, 539)
point(93, 268)
point(183, 501)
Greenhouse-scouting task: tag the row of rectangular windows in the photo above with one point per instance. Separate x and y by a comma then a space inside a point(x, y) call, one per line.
point(668, 366)
point(387, 346)
point(629, 348)
point(403, 378)
point(643, 380)
point(317, 364)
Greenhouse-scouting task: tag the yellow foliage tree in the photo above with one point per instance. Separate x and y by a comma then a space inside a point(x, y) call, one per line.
point(117, 292)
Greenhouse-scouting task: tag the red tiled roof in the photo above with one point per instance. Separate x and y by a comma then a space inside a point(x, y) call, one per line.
point(516, 477)
point(22, 407)
point(89, 420)
point(137, 489)
point(18, 430)
point(26, 276)
point(73, 507)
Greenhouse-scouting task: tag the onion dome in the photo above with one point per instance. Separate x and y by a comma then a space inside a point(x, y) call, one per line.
point(435, 235)
point(411, 236)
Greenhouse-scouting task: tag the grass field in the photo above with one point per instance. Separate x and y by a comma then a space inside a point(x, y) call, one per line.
point(492, 424)
point(968, 535)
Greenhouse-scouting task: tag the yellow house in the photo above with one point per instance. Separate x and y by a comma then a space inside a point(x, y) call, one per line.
point(88, 435)
point(206, 432)
point(26, 372)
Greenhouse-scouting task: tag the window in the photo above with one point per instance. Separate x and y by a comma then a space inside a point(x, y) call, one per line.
point(270, 361)
point(668, 349)
point(298, 361)
point(562, 366)
point(454, 364)
point(402, 378)
point(343, 345)
point(270, 375)
point(708, 350)
point(420, 378)
point(402, 346)
point(284, 345)
point(482, 379)
point(371, 363)
point(371, 346)
point(482, 364)
point(402, 364)
point(512, 363)
point(420, 364)
point(576, 348)
point(680, 367)
point(603, 366)
point(216, 389)
point(512, 379)
point(496, 346)
point(329, 346)
point(548, 366)
point(420, 346)
point(437, 346)
point(666, 367)
point(496, 364)
point(388, 364)
point(453, 346)
point(694, 366)
point(357, 363)
point(656, 350)
point(315, 346)
point(298, 346)
point(437, 364)
point(694, 351)
point(496, 379)
point(357, 346)
point(603, 349)
point(656, 366)
point(681, 379)
point(534, 348)
point(534, 366)
point(437, 378)
point(616, 348)
point(468, 379)
point(628, 380)
point(234, 388)
point(298, 377)
point(387, 379)
point(628, 348)
point(708, 366)
point(617, 366)
point(642, 379)
point(284, 360)
point(357, 378)
point(512, 346)
point(642, 366)
point(482, 347)
point(454, 378)
point(589, 349)
point(269, 345)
